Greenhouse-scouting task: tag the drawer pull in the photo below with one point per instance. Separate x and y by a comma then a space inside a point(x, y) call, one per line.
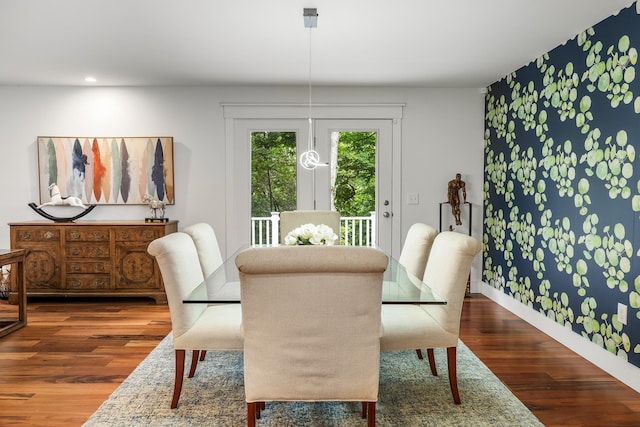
point(75, 251)
point(25, 235)
point(125, 234)
point(75, 267)
point(98, 235)
point(74, 235)
point(49, 235)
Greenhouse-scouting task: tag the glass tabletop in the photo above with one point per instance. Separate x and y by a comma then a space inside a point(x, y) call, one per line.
point(398, 287)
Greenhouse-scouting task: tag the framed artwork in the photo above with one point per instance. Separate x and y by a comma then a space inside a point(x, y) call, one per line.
point(107, 170)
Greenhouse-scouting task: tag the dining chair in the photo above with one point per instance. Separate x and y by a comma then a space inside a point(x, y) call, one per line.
point(204, 237)
point(416, 248)
point(409, 326)
point(415, 252)
point(289, 220)
point(311, 325)
point(195, 327)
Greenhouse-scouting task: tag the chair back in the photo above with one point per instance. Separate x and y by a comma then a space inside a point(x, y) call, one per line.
point(290, 220)
point(447, 272)
point(204, 237)
point(416, 248)
point(311, 322)
point(181, 273)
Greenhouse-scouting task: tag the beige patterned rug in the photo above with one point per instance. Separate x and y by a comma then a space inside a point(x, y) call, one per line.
point(409, 396)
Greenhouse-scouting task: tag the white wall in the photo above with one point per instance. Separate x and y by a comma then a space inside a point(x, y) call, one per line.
point(442, 133)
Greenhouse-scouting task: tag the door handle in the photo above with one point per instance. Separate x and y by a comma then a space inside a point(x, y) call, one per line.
point(386, 214)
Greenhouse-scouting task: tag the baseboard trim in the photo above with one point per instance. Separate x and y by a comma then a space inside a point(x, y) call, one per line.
point(613, 365)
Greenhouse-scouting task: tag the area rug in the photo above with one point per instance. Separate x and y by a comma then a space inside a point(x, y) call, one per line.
point(409, 396)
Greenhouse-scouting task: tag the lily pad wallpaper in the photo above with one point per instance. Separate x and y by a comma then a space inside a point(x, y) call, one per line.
point(107, 170)
point(562, 184)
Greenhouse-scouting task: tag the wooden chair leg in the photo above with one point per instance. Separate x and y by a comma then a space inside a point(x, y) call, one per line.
point(432, 362)
point(177, 387)
point(203, 353)
point(453, 379)
point(371, 414)
point(251, 414)
point(259, 408)
point(419, 353)
point(364, 409)
point(194, 362)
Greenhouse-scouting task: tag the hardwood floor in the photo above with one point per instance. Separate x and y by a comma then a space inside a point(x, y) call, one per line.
point(74, 353)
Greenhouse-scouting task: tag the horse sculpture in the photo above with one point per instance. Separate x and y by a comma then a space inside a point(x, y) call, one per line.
point(155, 206)
point(58, 200)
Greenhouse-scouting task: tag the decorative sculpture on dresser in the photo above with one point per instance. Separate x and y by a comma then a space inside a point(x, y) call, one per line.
point(455, 185)
point(157, 207)
point(58, 200)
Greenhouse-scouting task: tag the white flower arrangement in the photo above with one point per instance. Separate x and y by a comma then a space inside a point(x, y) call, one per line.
point(310, 234)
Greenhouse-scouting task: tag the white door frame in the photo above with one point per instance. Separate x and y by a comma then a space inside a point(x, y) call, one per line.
point(237, 171)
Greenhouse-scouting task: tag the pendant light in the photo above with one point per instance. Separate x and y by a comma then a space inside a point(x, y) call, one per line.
point(310, 159)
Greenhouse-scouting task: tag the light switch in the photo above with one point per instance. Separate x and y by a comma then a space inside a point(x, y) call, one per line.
point(413, 199)
point(622, 313)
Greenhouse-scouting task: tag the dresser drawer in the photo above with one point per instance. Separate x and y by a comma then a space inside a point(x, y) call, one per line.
point(87, 250)
point(74, 267)
point(89, 281)
point(35, 234)
point(85, 234)
point(138, 234)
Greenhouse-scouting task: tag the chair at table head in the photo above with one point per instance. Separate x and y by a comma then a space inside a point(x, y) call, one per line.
point(204, 237)
point(311, 324)
point(195, 327)
point(290, 220)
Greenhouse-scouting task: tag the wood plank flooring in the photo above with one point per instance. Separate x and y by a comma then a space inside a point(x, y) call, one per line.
point(74, 353)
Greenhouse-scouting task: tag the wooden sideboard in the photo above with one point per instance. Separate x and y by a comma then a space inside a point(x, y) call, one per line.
point(91, 258)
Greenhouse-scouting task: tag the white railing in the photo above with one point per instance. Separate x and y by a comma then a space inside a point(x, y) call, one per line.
point(354, 230)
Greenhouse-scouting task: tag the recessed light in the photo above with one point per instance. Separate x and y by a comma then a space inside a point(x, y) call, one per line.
point(90, 79)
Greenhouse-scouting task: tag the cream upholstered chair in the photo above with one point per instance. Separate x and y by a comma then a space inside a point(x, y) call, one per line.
point(311, 324)
point(415, 252)
point(435, 326)
point(204, 237)
point(195, 326)
point(416, 248)
point(290, 220)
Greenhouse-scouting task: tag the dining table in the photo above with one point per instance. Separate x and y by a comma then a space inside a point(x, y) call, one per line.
point(398, 287)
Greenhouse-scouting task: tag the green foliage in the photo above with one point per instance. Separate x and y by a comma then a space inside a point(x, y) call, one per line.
point(355, 187)
point(274, 169)
point(273, 172)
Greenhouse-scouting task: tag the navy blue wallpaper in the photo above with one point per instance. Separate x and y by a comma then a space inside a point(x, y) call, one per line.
point(562, 184)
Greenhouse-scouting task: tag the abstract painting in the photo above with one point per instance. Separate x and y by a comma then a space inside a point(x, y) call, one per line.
point(107, 170)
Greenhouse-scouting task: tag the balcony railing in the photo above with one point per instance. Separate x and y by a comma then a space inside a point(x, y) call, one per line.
point(354, 230)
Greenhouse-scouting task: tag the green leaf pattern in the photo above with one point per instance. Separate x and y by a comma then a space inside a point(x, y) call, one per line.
point(561, 199)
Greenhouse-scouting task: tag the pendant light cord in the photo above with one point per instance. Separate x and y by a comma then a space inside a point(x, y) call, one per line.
point(310, 116)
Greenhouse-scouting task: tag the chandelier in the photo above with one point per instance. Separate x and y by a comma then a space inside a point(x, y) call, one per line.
point(310, 159)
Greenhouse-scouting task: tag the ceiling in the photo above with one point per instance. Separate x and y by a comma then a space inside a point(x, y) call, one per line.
point(417, 43)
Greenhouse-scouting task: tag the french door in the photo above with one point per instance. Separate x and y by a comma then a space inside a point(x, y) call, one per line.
point(314, 187)
point(328, 130)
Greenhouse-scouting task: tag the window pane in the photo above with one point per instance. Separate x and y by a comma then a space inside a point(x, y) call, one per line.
point(273, 172)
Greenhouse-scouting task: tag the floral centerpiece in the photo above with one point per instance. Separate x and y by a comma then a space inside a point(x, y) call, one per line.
point(310, 234)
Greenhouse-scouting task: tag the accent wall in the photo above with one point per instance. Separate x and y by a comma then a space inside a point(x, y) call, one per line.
point(562, 185)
